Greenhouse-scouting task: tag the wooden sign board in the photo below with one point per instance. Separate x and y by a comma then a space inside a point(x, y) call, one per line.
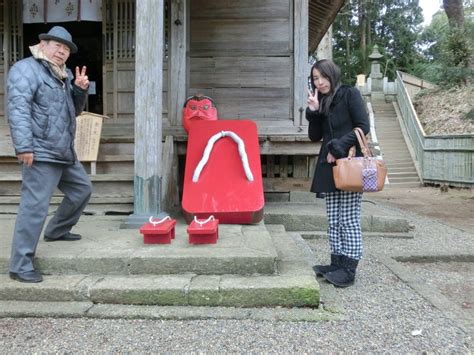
point(88, 130)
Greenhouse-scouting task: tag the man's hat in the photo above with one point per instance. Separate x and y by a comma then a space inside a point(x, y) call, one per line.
point(59, 34)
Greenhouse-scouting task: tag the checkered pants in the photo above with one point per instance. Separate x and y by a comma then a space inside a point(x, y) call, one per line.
point(343, 213)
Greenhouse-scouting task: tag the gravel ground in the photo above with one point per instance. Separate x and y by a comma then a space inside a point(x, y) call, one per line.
point(381, 314)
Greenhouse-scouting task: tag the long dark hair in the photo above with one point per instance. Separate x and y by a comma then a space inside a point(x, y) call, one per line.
point(331, 72)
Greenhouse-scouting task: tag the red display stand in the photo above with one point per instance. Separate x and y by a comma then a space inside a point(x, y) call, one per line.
point(228, 184)
point(158, 232)
point(203, 231)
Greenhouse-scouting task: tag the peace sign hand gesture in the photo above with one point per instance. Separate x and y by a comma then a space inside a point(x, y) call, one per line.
point(312, 101)
point(81, 78)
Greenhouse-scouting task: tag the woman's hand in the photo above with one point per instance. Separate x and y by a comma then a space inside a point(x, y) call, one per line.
point(82, 80)
point(312, 101)
point(330, 158)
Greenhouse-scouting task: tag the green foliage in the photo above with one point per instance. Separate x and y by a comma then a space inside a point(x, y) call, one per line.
point(436, 53)
point(392, 24)
point(446, 52)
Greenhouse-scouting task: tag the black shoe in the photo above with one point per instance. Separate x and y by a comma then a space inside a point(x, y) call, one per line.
point(344, 276)
point(30, 276)
point(320, 270)
point(68, 237)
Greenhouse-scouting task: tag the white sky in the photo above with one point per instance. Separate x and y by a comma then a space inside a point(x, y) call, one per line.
point(429, 8)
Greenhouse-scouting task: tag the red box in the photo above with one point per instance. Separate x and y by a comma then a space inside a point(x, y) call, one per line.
point(203, 231)
point(223, 188)
point(158, 232)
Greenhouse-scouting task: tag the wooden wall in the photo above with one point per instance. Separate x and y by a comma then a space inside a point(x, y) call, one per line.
point(11, 43)
point(241, 54)
point(120, 105)
point(119, 67)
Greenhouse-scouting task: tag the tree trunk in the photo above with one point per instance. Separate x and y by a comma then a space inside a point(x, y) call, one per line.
point(348, 42)
point(363, 31)
point(455, 12)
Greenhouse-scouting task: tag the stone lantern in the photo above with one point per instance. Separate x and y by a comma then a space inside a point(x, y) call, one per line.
point(375, 73)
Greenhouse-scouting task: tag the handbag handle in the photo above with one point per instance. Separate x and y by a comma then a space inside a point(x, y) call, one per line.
point(364, 145)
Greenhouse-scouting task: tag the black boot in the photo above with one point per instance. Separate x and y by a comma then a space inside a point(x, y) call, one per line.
point(320, 270)
point(344, 276)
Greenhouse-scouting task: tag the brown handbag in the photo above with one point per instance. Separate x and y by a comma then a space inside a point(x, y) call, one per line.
point(360, 174)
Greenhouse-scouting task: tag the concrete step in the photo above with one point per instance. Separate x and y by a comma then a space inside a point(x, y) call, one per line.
point(312, 217)
point(323, 234)
point(395, 170)
point(403, 174)
point(121, 251)
point(399, 164)
point(405, 180)
point(393, 144)
point(169, 290)
point(249, 266)
point(398, 184)
point(386, 118)
point(391, 156)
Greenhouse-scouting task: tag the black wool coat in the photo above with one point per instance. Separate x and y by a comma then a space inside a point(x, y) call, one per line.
point(346, 112)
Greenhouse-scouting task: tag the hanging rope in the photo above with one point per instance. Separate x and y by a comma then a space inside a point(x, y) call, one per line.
point(210, 145)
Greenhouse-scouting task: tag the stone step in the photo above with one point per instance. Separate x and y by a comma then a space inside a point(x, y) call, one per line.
point(98, 205)
point(401, 160)
point(412, 184)
point(401, 174)
point(400, 165)
point(106, 164)
point(25, 309)
point(312, 217)
point(249, 266)
point(404, 180)
point(169, 290)
point(241, 250)
point(393, 145)
point(395, 156)
point(309, 235)
point(395, 170)
point(104, 184)
point(382, 120)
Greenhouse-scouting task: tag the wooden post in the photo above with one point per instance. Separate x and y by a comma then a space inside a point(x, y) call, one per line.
point(177, 62)
point(324, 50)
point(148, 112)
point(300, 56)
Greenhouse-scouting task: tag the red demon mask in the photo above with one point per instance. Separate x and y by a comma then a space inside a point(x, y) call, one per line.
point(198, 108)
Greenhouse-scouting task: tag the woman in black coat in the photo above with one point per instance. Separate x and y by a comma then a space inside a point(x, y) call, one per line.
point(334, 110)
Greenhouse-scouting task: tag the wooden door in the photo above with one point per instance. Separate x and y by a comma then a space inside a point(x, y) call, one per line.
point(119, 60)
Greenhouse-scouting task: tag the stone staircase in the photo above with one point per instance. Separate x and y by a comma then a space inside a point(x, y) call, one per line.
point(401, 169)
point(251, 266)
point(112, 184)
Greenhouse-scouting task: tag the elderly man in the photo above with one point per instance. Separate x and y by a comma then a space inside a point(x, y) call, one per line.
point(42, 107)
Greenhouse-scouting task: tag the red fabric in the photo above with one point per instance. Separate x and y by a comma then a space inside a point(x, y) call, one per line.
point(198, 108)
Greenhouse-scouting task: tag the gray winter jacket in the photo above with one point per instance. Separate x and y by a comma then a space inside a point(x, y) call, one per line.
point(42, 111)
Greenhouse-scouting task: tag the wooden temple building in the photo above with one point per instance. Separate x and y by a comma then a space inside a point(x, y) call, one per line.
point(145, 57)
